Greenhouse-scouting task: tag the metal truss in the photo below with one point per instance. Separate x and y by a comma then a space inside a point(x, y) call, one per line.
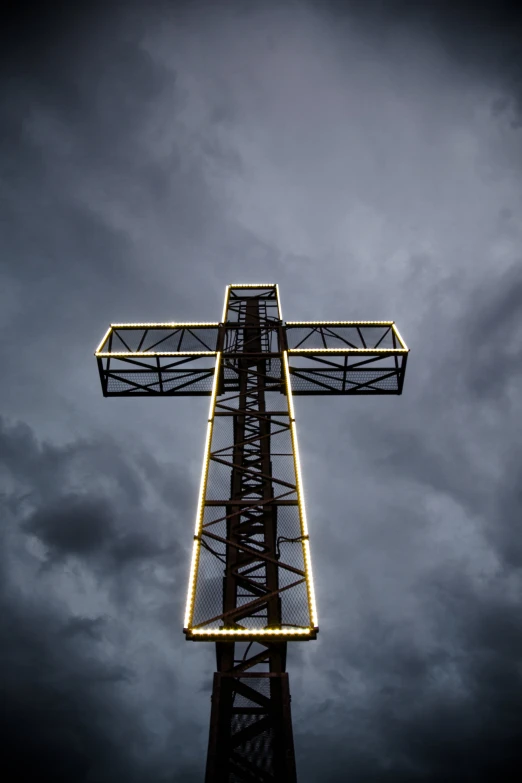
point(346, 357)
point(250, 586)
point(326, 358)
point(151, 359)
point(250, 735)
point(251, 577)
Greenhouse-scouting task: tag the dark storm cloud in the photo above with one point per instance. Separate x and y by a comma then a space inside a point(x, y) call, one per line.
point(446, 713)
point(441, 698)
point(495, 330)
point(91, 627)
point(65, 685)
point(59, 699)
point(74, 525)
point(503, 530)
point(61, 122)
point(81, 524)
point(369, 162)
point(483, 35)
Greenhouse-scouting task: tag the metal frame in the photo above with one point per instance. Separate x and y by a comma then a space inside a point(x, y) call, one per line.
point(250, 734)
point(324, 358)
point(170, 359)
point(250, 585)
point(346, 357)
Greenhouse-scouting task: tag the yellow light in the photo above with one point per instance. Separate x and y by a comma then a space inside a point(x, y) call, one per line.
point(201, 499)
point(225, 306)
point(279, 303)
point(169, 325)
point(348, 350)
point(108, 354)
point(289, 395)
point(194, 563)
point(107, 333)
point(401, 341)
point(251, 632)
point(339, 323)
point(214, 388)
point(203, 481)
point(310, 582)
point(300, 499)
point(304, 529)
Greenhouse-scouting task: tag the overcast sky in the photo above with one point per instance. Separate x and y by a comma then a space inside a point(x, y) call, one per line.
point(367, 157)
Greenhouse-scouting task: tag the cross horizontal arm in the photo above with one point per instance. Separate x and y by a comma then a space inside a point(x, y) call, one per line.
point(158, 359)
point(345, 357)
point(324, 357)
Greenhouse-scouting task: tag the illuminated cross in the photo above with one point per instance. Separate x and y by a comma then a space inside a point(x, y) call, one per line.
point(250, 586)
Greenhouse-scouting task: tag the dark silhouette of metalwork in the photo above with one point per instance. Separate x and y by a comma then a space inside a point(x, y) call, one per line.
point(250, 586)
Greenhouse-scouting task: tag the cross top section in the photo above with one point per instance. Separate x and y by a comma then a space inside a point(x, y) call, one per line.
point(251, 517)
point(325, 357)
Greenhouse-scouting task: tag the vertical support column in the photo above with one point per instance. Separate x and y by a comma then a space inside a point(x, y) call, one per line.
point(251, 736)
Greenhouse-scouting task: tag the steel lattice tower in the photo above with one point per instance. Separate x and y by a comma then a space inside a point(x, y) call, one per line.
point(250, 586)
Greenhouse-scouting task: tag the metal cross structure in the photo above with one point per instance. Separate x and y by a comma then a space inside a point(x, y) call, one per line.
point(250, 586)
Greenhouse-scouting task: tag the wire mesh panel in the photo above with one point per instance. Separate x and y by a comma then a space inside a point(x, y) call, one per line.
point(346, 357)
point(347, 372)
point(158, 359)
point(157, 375)
point(251, 737)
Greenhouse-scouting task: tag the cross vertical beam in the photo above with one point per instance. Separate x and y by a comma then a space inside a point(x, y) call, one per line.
point(250, 734)
point(250, 586)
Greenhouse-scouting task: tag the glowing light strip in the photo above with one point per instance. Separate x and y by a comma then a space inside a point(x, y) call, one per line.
point(397, 334)
point(300, 499)
point(252, 632)
point(201, 501)
point(348, 350)
point(248, 632)
point(169, 325)
point(253, 285)
point(225, 306)
point(279, 303)
point(339, 323)
point(155, 353)
point(106, 337)
point(288, 387)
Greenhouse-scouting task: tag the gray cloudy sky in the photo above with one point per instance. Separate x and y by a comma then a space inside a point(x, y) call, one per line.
point(367, 157)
